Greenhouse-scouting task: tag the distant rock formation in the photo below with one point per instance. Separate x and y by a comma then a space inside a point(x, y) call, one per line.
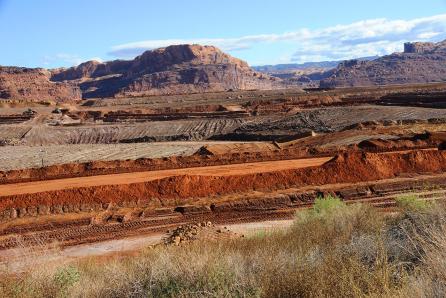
point(424, 47)
point(419, 63)
point(175, 69)
point(305, 75)
point(418, 47)
point(172, 70)
point(33, 84)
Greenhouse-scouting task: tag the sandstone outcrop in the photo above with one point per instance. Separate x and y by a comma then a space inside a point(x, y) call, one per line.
point(33, 84)
point(172, 70)
point(419, 63)
point(424, 47)
point(178, 69)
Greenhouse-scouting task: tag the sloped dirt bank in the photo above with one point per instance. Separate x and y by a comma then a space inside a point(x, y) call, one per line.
point(146, 164)
point(345, 168)
point(122, 222)
point(223, 154)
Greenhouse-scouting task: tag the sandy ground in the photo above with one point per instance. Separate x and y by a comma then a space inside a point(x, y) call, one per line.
point(17, 260)
point(138, 177)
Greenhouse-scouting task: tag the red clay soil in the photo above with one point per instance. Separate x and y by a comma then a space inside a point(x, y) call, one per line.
point(137, 177)
point(146, 164)
point(345, 168)
point(419, 141)
point(380, 145)
point(211, 155)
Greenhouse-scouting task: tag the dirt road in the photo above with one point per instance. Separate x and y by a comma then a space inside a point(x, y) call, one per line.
point(138, 177)
point(21, 259)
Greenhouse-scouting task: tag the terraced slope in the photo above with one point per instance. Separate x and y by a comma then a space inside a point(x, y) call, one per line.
point(327, 119)
point(22, 157)
point(184, 130)
point(96, 224)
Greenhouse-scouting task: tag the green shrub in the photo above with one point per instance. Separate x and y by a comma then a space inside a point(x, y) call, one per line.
point(66, 277)
point(323, 207)
point(411, 203)
point(327, 204)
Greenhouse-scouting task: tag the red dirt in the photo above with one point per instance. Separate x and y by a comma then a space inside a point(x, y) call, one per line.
point(138, 177)
point(215, 155)
point(345, 168)
point(77, 228)
point(146, 164)
point(419, 141)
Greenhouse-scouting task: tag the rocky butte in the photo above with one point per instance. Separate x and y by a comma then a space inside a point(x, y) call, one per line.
point(421, 62)
point(175, 69)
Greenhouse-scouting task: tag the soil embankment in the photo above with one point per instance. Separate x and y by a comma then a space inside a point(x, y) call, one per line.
point(147, 164)
point(219, 154)
point(139, 177)
point(169, 191)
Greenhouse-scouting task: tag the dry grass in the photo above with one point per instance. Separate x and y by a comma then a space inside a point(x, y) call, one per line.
point(331, 250)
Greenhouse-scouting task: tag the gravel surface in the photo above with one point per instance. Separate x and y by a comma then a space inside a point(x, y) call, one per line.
point(20, 157)
point(336, 118)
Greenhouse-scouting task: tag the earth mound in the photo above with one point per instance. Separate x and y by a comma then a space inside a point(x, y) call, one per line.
point(419, 63)
point(348, 167)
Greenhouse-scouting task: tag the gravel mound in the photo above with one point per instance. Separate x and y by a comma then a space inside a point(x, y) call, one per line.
point(204, 231)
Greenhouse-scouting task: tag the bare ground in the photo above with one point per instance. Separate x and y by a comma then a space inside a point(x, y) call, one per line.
point(22, 157)
point(138, 177)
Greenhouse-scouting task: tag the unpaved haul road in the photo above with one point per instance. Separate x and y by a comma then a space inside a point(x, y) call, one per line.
point(138, 177)
point(18, 260)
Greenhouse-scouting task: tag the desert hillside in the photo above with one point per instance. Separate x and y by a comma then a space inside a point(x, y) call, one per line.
point(173, 169)
point(179, 69)
point(421, 62)
point(34, 84)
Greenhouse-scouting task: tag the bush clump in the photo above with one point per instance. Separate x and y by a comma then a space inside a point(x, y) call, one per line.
point(410, 203)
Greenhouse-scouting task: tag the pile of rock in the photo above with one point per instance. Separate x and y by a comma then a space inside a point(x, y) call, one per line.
point(198, 231)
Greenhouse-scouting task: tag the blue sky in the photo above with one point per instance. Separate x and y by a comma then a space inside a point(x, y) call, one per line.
point(54, 33)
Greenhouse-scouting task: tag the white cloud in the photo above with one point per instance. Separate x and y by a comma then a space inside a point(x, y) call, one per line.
point(363, 38)
point(66, 59)
point(62, 58)
point(428, 35)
